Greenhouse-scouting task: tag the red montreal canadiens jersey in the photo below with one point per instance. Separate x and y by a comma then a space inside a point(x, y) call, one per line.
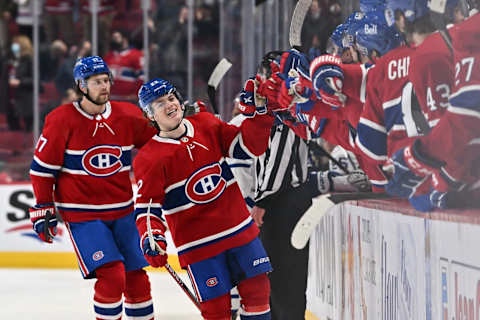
point(456, 139)
point(431, 73)
point(385, 120)
point(127, 70)
point(190, 184)
point(88, 159)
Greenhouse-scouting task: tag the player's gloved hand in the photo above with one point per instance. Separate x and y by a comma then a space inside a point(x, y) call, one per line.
point(38, 216)
point(292, 91)
point(402, 181)
point(250, 101)
point(293, 60)
point(431, 201)
point(355, 181)
point(194, 108)
point(270, 89)
point(156, 256)
point(327, 79)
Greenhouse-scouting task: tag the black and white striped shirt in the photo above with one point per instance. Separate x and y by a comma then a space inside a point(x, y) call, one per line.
point(283, 165)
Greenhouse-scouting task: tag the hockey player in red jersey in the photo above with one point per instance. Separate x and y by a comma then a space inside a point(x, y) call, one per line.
point(442, 164)
point(186, 184)
point(126, 64)
point(81, 166)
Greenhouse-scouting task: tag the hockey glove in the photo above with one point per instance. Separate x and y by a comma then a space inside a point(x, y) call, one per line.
point(431, 201)
point(250, 102)
point(39, 214)
point(327, 79)
point(154, 252)
point(403, 182)
point(194, 108)
point(292, 91)
point(270, 89)
point(296, 61)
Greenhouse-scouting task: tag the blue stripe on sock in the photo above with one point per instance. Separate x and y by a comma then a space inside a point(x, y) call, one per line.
point(108, 311)
point(139, 312)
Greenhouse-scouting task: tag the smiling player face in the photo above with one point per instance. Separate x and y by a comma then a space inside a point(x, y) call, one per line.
point(167, 112)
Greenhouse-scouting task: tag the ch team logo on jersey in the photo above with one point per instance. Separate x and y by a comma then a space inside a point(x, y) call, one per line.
point(205, 185)
point(102, 161)
point(212, 282)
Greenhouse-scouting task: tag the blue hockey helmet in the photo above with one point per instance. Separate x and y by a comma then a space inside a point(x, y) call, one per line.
point(353, 22)
point(371, 5)
point(376, 36)
point(411, 9)
point(88, 66)
point(154, 89)
point(336, 37)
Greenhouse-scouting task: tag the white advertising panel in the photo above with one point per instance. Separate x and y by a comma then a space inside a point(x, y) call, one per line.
point(455, 265)
point(403, 267)
point(323, 279)
point(360, 270)
point(16, 234)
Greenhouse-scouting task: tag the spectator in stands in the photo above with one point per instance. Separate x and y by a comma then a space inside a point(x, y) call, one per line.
point(172, 38)
point(64, 76)
point(315, 30)
point(58, 21)
point(126, 65)
point(51, 58)
point(21, 83)
point(106, 12)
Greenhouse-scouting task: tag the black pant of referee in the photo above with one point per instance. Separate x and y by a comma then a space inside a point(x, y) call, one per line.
point(288, 279)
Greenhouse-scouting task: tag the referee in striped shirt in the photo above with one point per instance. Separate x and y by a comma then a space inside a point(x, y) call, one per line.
point(282, 196)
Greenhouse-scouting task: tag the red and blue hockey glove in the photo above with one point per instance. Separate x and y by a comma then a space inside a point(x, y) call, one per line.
point(44, 221)
point(155, 252)
point(403, 182)
point(251, 101)
point(433, 200)
point(294, 60)
point(270, 89)
point(292, 91)
point(416, 174)
point(326, 75)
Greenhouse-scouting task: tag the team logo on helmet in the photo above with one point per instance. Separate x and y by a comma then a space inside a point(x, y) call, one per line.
point(102, 161)
point(212, 282)
point(206, 184)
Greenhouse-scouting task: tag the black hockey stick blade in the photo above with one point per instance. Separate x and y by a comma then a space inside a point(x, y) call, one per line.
point(437, 16)
point(321, 150)
point(311, 218)
point(46, 232)
point(217, 75)
point(211, 96)
point(347, 196)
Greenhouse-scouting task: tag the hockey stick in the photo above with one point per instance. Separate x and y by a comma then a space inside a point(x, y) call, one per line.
point(295, 41)
point(217, 74)
point(321, 150)
point(311, 218)
point(156, 247)
point(437, 10)
point(298, 17)
point(46, 232)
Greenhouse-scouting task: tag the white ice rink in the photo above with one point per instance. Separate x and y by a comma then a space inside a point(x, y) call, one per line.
point(35, 294)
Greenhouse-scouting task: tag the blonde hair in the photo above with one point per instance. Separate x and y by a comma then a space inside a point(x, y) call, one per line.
point(26, 48)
